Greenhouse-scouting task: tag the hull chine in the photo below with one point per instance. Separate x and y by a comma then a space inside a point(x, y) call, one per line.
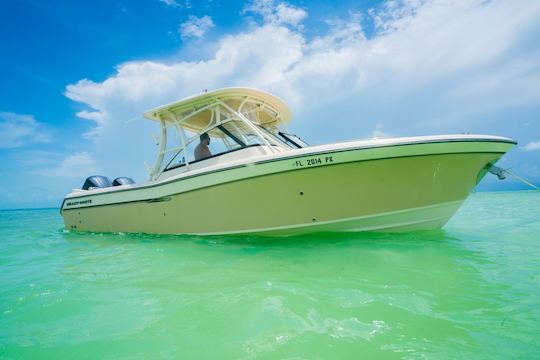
point(431, 217)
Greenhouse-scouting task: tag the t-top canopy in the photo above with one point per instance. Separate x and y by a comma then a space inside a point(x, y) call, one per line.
point(194, 112)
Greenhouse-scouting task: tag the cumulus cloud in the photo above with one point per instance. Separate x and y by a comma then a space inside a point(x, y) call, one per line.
point(276, 13)
point(18, 130)
point(195, 27)
point(92, 115)
point(78, 165)
point(142, 84)
point(532, 146)
point(434, 65)
point(393, 15)
point(440, 43)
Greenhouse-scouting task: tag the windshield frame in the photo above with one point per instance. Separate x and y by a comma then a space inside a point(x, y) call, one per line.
point(275, 137)
point(287, 138)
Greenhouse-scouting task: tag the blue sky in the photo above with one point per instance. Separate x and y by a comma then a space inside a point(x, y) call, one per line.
point(76, 75)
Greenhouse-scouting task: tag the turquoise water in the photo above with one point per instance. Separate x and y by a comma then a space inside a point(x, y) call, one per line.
point(471, 290)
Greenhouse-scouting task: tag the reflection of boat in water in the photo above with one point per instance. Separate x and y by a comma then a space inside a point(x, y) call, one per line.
point(263, 180)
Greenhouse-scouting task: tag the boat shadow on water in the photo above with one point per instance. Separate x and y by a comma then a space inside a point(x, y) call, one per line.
point(327, 238)
point(312, 239)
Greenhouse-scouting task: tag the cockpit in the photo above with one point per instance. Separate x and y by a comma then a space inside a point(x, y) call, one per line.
point(238, 123)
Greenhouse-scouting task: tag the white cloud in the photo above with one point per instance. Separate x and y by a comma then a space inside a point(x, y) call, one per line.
point(142, 84)
point(184, 4)
point(18, 130)
point(169, 2)
point(434, 65)
point(92, 115)
point(276, 13)
point(29, 160)
point(532, 146)
point(393, 15)
point(79, 165)
point(286, 14)
point(379, 133)
point(195, 27)
point(98, 117)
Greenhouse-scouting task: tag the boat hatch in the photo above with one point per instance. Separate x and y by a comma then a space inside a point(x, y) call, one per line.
point(234, 119)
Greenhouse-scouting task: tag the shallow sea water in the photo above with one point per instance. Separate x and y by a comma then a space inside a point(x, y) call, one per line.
point(471, 290)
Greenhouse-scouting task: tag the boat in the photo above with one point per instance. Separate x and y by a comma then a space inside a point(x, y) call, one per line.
point(227, 165)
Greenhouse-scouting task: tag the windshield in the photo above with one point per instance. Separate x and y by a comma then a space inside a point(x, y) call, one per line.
point(226, 137)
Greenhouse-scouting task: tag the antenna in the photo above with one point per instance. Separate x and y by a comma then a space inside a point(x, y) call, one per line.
point(138, 117)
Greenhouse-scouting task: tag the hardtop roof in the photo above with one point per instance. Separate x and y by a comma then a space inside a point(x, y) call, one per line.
point(230, 96)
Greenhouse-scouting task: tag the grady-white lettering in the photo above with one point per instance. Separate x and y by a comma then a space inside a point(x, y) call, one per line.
point(80, 202)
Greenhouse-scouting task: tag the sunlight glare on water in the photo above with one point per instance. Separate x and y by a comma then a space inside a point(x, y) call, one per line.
point(471, 290)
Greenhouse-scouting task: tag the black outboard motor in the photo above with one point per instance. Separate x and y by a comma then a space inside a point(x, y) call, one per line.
point(123, 181)
point(96, 181)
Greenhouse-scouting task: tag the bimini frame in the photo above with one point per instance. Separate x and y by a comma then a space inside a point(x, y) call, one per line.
point(225, 106)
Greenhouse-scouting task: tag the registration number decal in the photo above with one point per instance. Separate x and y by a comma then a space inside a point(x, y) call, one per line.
point(320, 160)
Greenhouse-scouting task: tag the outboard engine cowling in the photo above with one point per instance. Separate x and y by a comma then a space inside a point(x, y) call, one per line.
point(123, 181)
point(96, 181)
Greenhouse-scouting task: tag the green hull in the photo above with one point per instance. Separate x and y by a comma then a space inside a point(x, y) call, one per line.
point(394, 188)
